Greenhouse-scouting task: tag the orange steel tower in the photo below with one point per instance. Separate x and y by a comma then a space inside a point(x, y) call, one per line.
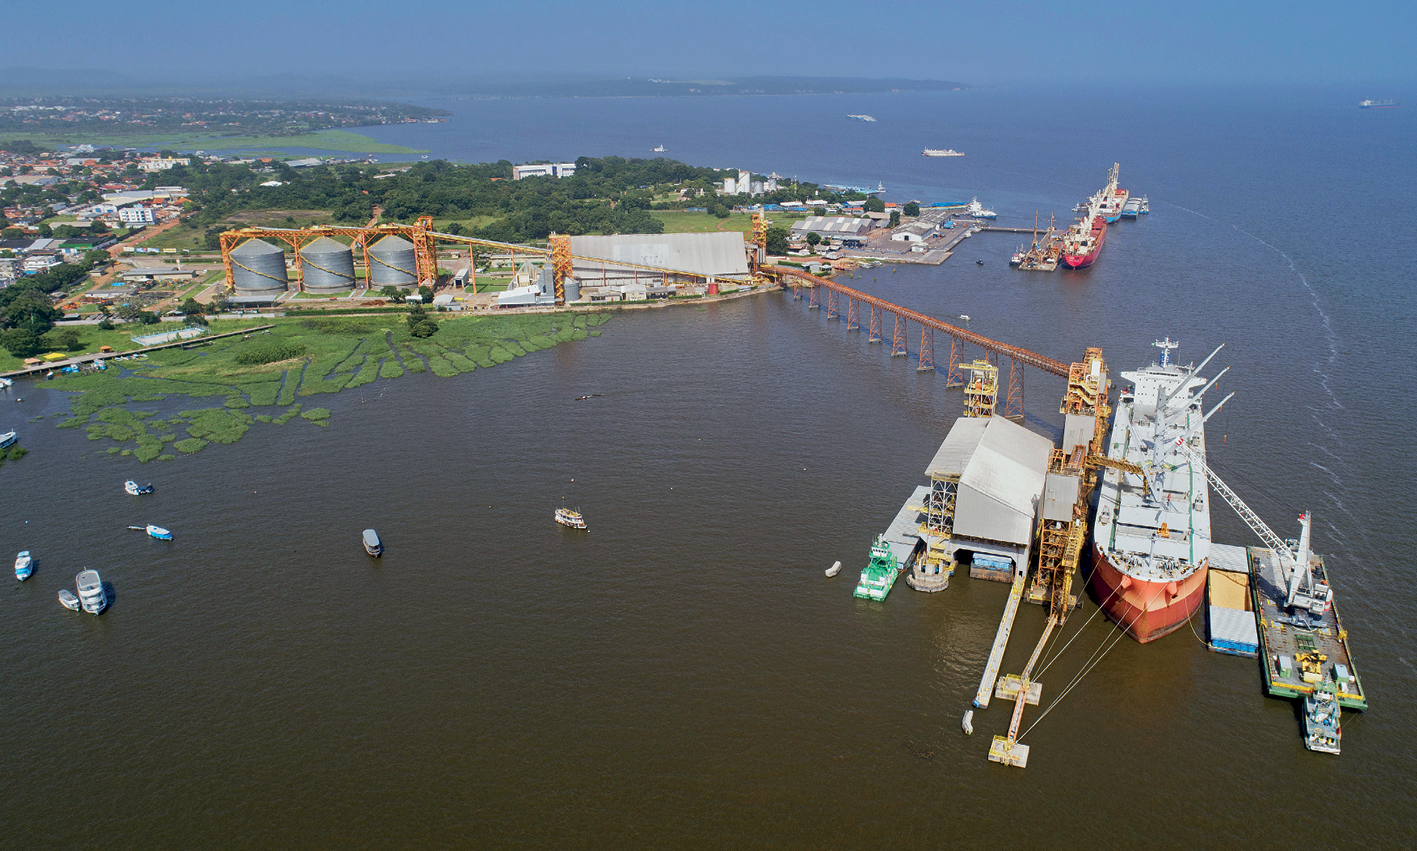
point(560, 264)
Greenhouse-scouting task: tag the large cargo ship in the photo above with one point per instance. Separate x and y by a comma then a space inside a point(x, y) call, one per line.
point(1112, 198)
point(1083, 241)
point(1151, 538)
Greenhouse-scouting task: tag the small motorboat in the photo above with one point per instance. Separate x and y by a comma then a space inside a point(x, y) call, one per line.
point(136, 489)
point(567, 517)
point(834, 569)
point(68, 600)
point(156, 531)
point(91, 593)
point(24, 565)
point(8, 437)
point(979, 262)
point(967, 722)
point(372, 545)
point(6, 382)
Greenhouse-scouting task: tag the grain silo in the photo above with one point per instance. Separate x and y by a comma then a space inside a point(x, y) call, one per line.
point(257, 267)
point(392, 263)
point(328, 265)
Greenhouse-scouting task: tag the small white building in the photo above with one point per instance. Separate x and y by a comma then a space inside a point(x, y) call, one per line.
point(161, 163)
point(137, 216)
point(36, 263)
point(543, 170)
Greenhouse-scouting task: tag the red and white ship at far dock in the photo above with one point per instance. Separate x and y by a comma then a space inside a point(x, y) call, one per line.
point(1151, 537)
point(1084, 240)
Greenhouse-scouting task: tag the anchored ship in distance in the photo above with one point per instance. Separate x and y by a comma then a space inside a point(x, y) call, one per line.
point(936, 152)
point(1151, 537)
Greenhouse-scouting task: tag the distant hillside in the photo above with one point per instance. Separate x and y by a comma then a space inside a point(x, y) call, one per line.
point(35, 82)
point(651, 87)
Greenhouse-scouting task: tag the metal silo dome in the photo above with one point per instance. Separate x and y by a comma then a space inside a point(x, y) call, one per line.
point(328, 265)
point(258, 267)
point(392, 263)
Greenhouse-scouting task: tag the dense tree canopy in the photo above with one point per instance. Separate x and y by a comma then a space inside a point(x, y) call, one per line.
point(605, 195)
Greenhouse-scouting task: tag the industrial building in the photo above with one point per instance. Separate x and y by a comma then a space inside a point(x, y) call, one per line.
point(986, 489)
point(720, 255)
point(543, 170)
point(531, 286)
point(744, 184)
point(833, 226)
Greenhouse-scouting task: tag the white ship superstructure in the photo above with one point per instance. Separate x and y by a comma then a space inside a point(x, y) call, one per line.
point(1151, 539)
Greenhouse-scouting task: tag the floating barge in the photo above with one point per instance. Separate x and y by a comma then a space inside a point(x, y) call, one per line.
point(1230, 612)
point(1304, 652)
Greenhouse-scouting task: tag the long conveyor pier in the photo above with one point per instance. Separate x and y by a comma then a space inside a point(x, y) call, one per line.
point(1001, 641)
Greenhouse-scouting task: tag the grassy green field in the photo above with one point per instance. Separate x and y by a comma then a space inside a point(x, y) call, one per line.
point(321, 140)
point(317, 355)
point(676, 221)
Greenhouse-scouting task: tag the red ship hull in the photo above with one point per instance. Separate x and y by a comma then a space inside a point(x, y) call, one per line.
point(1145, 610)
point(1099, 235)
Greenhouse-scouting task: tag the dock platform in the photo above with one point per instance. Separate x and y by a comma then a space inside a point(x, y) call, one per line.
point(1001, 641)
point(1300, 652)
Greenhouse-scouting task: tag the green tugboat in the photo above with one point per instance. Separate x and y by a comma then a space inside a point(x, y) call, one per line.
point(879, 575)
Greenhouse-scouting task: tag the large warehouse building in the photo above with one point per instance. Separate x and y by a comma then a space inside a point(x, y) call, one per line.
point(993, 471)
point(721, 255)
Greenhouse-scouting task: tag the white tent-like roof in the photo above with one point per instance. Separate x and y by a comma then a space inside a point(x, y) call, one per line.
point(1002, 467)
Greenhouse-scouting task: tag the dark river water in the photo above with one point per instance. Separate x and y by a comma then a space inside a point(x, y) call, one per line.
point(683, 675)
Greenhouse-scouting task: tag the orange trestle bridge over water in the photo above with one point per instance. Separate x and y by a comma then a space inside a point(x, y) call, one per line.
point(836, 293)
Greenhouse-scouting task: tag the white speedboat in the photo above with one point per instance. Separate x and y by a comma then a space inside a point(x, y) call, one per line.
point(659, 150)
point(8, 437)
point(158, 532)
point(834, 569)
point(136, 489)
point(68, 600)
point(6, 382)
point(24, 565)
point(91, 593)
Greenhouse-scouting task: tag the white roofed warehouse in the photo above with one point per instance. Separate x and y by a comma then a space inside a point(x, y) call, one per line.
point(837, 226)
point(721, 255)
point(986, 483)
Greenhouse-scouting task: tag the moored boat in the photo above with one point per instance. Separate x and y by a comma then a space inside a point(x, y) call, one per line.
point(976, 210)
point(1151, 538)
point(834, 569)
point(68, 600)
point(8, 438)
point(936, 152)
point(24, 565)
point(91, 593)
point(1322, 731)
point(879, 574)
point(1112, 198)
point(158, 532)
point(136, 489)
point(567, 517)
point(1084, 240)
point(372, 545)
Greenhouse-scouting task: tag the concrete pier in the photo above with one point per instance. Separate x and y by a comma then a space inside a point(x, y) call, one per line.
point(1001, 641)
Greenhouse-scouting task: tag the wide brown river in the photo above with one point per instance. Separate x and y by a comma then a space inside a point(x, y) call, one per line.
point(683, 675)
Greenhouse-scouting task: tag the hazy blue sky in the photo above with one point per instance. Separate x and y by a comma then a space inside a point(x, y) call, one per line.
point(981, 43)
